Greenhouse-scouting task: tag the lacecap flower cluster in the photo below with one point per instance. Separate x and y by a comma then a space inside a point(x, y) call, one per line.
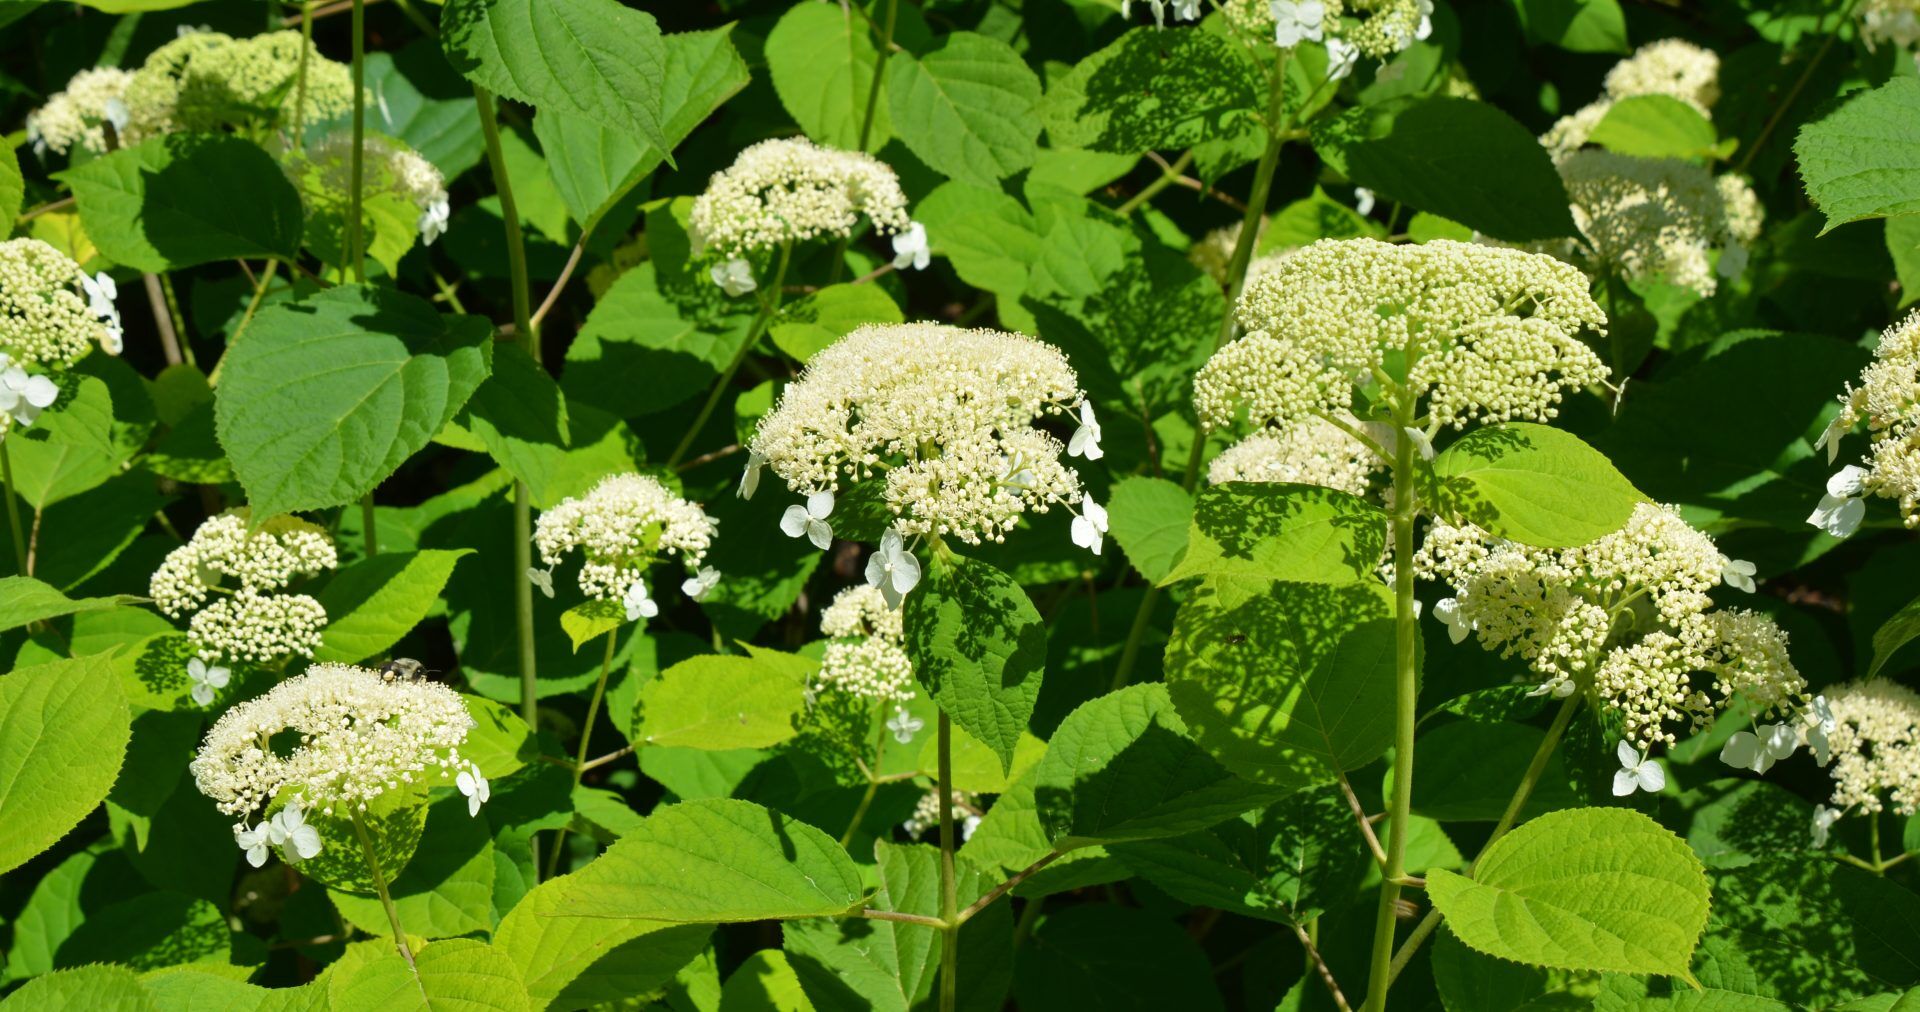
point(1875, 742)
point(1661, 217)
point(624, 525)
point(206, 81)
point(866, 655)
point(51, 314)
point(233, 582)
point(1887, 399)
point(790, 189)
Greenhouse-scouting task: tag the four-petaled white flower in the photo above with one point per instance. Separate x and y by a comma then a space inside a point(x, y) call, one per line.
point(115, 112)
point(1089, 526)
point(473, 784)
point(22, 395)
point(1637, 772)
point(206, 679)
point(750, 478)
point(910, 248)
point(639, 605)
point(735, 277)
point(1823, 820)
point(810, 521)
point(1085, 441)
point(1295, 20)
point(1758, 752)
point(289, 831)
point(904, 725)
point(1738, 574)
point(1558, 688)
point(1341, 58)
point(542, 580)
point(1820, 725)
point(1830, 437)
point(1362, 197)
point(1421, 444)
point(697, 585)
point(1842, 508)
point(253, 842)
point(433, 221)
point(1447, 610)
point(893, 569)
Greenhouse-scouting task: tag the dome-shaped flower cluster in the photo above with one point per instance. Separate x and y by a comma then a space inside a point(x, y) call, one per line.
point(625, 524)
point(94, 102)
point(1486, 334)
point(324, 175)
point(943, 416)
point(346, 736)
point(1875, 742)
point(209, 81)
point(866, 656)
point(1660, 217)
point(789, 190)
point(1671, 67)
point(1311, 452)
point(1887, 398)
point(1627, 618)
point(253, 618)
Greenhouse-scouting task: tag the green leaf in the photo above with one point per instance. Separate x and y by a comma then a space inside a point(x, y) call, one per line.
point(457, 973)
point(720, 701)
point(987, 235)
point(979, 647)
point(1121, 767)
point(1275, 531)
point(1154, 90)
point(1808, 932)
point(64, 729)
point(639, 353)
point(590, 620)
point(374, 602)
point(1862, 160)
point(500, 743)
point(576, 962)
point(713, 862)
point(520, 416)
point(823, 317)
point(1112, 957)
point(1709, 1000)
point(1471, 982)
point(1467, 771)
point(187, 199)
point(395, 822)
point(1656, 126)
point(1578, 26)
point(764, 982)
point(599, 59)
point(822, 61)
point(1597, 889)
point(323, 399)
point(968, 108)
point(1149, 518)
point(446, 131)
point(1460, 159)
point(1535, 484)
point(13, 189)
point(1903, 244)
point(25, 600)
point(1285, 683)
point(1893, 634)
point(149, 931)
point(87, 987)
point(446, 890)
point(71, 450)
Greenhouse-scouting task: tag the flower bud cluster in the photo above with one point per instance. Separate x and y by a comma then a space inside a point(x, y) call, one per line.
point(790, 189)
point(1887, 398)
point(866, 656)
point(205, 81)
point(1349, 28)
point(253, 619)
point(1890, 21)
point(1671, 67)
point(1876, 746)
point(625, 524)
point(1660, 217)
point(93, 102)
point(1311, 452)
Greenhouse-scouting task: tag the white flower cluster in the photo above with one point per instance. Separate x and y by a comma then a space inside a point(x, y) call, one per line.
point(1349, 28)
point(865, 657)
point(926, 815)
point(1671, 67)
point(1488, 334)
point(1311, 452)
point(1661, 217)
point(945, 415)
point(1890, 21)
point(94, 100)
point(1626, 618)
point(790, 189)
point(625, 524)
point(354, 736)
point(253, 620)
point(205, 81)
point(1888, 400)
point(1875, 740)
point(51, 312)
point(1183, 10)
point(388, 165)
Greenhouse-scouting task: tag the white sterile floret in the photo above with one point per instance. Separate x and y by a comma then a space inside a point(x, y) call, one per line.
point(625, 524)
point(810, 521)
point(700, 584)
point(1183, 10)
point(638, 605)
point(910, 248)
point(904, 725)
point(1350, 28)
point(892, 569)
point(1887, 398)
point(1089, 528)
point(1297, 20)
point(865, 656)
point(1823, 820)
point(324, 175)
point(1659, 217)
point(349, 736)
point(207, 679)
point(789, 190)
point(1637, 772)
point(1672, 67)
point(81, 115)
point(1490, 334)
point(1759, 749)
point(1626, 618)
point(735, 277)
point(474, 785)
point(1313, 451)
point(51, 312)
point(1876, 747)
point(943, 417)
point(289, 831)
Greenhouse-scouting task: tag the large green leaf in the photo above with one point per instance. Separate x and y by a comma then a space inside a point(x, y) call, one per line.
point(987, 235)
point(374, 602)
point(323, 399)
point(1862, 160)
point(1149, 517)
point(187, 199)
point(571, 962)
point(25, 600)
point(457, 973)
point(64, 729)
point(717, 861)
point(1121, 767)
point(149, 931)
point(721, 701)
point(968, 108)
point(1154, 90)
point(594, 58)
point(1896, 632)
point(1598, 889)
point(405, 90)
point(1580, 26)
point(978, 645)
point(1534, 484)
point(1810, 931)
point(1275, 531)
point(811, 323)
point(640, 351)
point(822, 59)
point(71, 450)
point(1285, 683)
point(86, 987)
point(1656, 126)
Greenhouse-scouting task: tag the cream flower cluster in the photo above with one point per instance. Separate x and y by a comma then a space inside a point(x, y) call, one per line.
point(865, 657)
point(1660, 217)
point(1311, 452)
point(625, 524)
point(359, 735)
point(1626, 618)
point(1671, 67)
point(1349, 28)
point(1488, 334)
point(389, 165)
point(946, 417)
point(51, 314)
point(926, 815)
point(253, 620)
point(1887, 398)
point(790, 189)
point(1890, 21)
point(1876, 746)
point(207, 81)
point(94, 100)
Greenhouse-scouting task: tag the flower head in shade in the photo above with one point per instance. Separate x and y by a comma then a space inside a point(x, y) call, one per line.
point(1659, 217)
point(865, 655)
point(625, 524)
point(1887, 399)
point(790, 190)
point(943, 418)
point(1349, 28)
point(1876, 747)
point(234, 582)
point(82, 115)
point(926, 814)
point(207, 81)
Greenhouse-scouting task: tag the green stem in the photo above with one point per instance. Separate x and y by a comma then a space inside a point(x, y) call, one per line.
point(1793, 94)
point(177, 318)
point(13, 509)
point(866, 802)
point(162, 318)
point(1873, 841)
point(510, 213)
point(370, 525)
point(253, 304)
point(586, 739)
point(300, 76)
point(769, 304)
point(949, 892)
point(1168, 176)
point(1142, 619)
point(380, 886)
point(356, 250)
